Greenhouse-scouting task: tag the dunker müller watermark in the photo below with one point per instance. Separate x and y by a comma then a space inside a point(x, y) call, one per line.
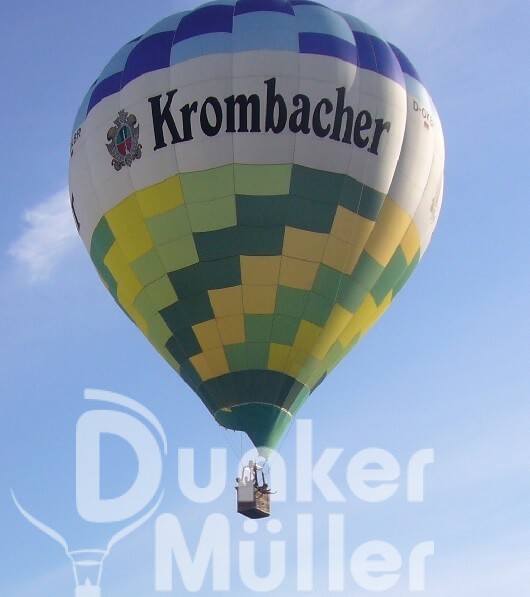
point(372, 475)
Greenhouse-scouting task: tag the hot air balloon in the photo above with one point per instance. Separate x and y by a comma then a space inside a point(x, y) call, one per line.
point(255, 181)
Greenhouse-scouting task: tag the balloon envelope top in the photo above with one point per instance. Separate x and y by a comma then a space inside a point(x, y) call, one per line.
point(255, 181)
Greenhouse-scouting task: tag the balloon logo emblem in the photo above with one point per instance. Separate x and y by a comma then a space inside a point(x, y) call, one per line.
point(124, 146)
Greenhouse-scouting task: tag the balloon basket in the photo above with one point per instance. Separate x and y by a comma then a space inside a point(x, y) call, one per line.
point(88, 564)
point(252, 503)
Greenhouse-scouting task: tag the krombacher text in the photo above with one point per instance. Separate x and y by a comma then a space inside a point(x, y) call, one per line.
point(245, 114)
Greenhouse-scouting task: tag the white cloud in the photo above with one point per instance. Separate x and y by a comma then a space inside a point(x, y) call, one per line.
point(50, 233)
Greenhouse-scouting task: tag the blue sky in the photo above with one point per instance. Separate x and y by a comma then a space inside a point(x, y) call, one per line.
point(446, 368)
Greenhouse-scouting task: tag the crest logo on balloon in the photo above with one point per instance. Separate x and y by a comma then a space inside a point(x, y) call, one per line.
point(124, 146)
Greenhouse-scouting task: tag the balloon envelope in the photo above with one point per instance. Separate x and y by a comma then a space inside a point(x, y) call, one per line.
point(255, 180)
